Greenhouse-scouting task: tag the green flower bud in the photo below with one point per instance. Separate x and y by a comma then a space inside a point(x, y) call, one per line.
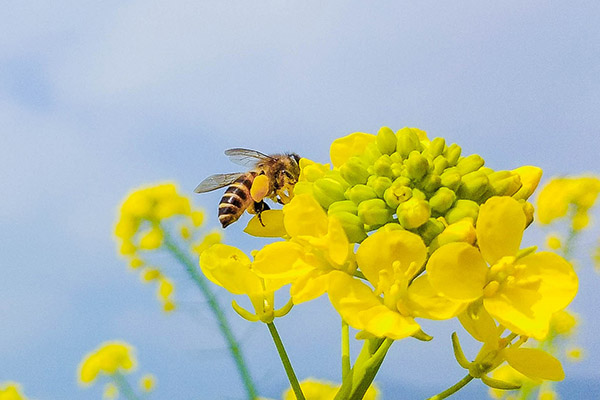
point(352, 224)
point(487, 170)
point(374, 212)
point(408, 141)
point(431, 229)
point(354, 171)
point(397, 169)
point(343, 206)
point(312, 172)
point(335, 175)
point(440, 164)
point(380, 184)
point(416, 165)
point(442, 200)
point(452, 154)
point(386, 140)
point(391, 226)
point(371, 153)
point(413, 213)
point(436, 148)
point(505, 183)
point(474, 185)
point(469, 164)
point(451, 179)
point(460, 231)
point(395, 195)
point(383, 166)
point(430, 182)
point(418, 194)
point(462, 209)
point(401, 181)
point(327, 191)
point(396, 157)
point(360, 193)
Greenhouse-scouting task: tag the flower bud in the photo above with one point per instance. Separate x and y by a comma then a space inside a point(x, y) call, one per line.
point(408, 140)
point(413, 213)
point(401, 181)
point(451, 179)
point(442, 200)
point(354, 171)
point(371, 153)
point(397, 169)
point(386, 140)
point(469, 164)
point(418, 194)
point(383, 166)
point(436, 148)
point(312, 172)
point(352, 224)
point(380, 184)
point(530, 178)
point(360, 193)
point(430, 182)
point(374, 212)
point(452, 154)
point(343, 206)
point(440, 164)
point(529, 211)
point(416, 165)
point(473, 186)
point(396, 157)
point(431, 229)
point(504, 183)
point(462, 209)
point(327, 191)
point(394, 195)
point(460, 231)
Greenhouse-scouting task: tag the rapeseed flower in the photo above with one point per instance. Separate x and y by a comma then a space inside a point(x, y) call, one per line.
point(11, 391)
point(521, 292)
point(110, 358)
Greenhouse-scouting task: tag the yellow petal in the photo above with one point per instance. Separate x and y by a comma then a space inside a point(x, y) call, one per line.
point(457, 270)
point(383, 322)
point(423, 301)
point(500, 228)
point(304, 216)
point(480, 324)
point(349, 297)
point(382, 249)
point(558, 281)
point(335, 243)
point(309, 286)
point(229, 267)
point(354, 144)
point(534, 363)
point(530, 178)
point(280, 260)
point(273, 220)
point(553, 200)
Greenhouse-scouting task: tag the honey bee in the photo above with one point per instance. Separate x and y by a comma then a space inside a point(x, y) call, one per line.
point(281, 170)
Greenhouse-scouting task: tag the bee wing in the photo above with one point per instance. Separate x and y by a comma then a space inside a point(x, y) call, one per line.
point(246, 157)
point(217, 181)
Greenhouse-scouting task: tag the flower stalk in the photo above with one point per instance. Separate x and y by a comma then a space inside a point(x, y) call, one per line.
point(287, 365)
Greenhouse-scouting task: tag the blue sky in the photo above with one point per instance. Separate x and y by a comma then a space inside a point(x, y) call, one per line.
point(97, 98)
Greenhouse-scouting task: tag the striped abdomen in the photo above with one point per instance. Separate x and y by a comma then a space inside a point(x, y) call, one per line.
point(236, 199)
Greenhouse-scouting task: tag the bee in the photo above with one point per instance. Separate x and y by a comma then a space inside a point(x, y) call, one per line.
point(281, 170)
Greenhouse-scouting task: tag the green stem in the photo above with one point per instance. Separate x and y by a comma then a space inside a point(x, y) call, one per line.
point(234, 347)
point(124, 387)
point(452, 389)
point(287, 365)
point(345, 350)
point(370, 367)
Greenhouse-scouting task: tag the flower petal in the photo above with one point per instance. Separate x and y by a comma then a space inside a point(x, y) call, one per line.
point(423, 301)
point(273, 225)
point(304, 216)
point(383, 322)
point(351, 145)
point(480, 324)
point(457, 270)
point(335, 243)
point(229, 267)
point(350, 297)
point(309, 286)
point(534, 363)
point(280, 260)
point(500, 226)
point(380, 250)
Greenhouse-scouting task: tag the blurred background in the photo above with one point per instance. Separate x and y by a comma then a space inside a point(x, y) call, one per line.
point(100, 97)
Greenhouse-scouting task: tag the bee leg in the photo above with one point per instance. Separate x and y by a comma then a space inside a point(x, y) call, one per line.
point(259, 207)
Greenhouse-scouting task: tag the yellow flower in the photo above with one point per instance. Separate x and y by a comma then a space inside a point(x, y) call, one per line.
point(148, 383)
point(521, 293)
point(110, 357)
point(389, 261)
point(314, 389)
point(11, 391)
point(351, 145)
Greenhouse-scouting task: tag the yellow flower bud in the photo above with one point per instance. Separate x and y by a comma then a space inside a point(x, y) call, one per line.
point(327, 191)
point(351, 145)
point(408, 140)
point(147, 383)
point(505, 183)
point(473, 187)
point(469, 164)
point(553, 242)
point(530, 178)
point(383, 166)
point(462, 209)
point(529, 211)
point(413, 213)
point(360, 193)
point(430, 182)
point(452, 154)
point(416, 165)
point(380, 184)
point(354, 171)
point(436, 148)
point(442, 200)
point(461, 231)
point(440, 164)
point(344, 205)
point(395, 195)
point(374, 212)
point(451, 179)
point(575, 354)
point(352, 224)
point(371, 153)
point(386, 140)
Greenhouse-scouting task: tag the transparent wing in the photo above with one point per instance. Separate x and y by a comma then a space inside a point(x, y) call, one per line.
point(217, 181)
point(246, 157)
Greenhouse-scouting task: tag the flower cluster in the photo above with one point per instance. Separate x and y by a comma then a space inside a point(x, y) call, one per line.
point(11, 391)
point(144, 226)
